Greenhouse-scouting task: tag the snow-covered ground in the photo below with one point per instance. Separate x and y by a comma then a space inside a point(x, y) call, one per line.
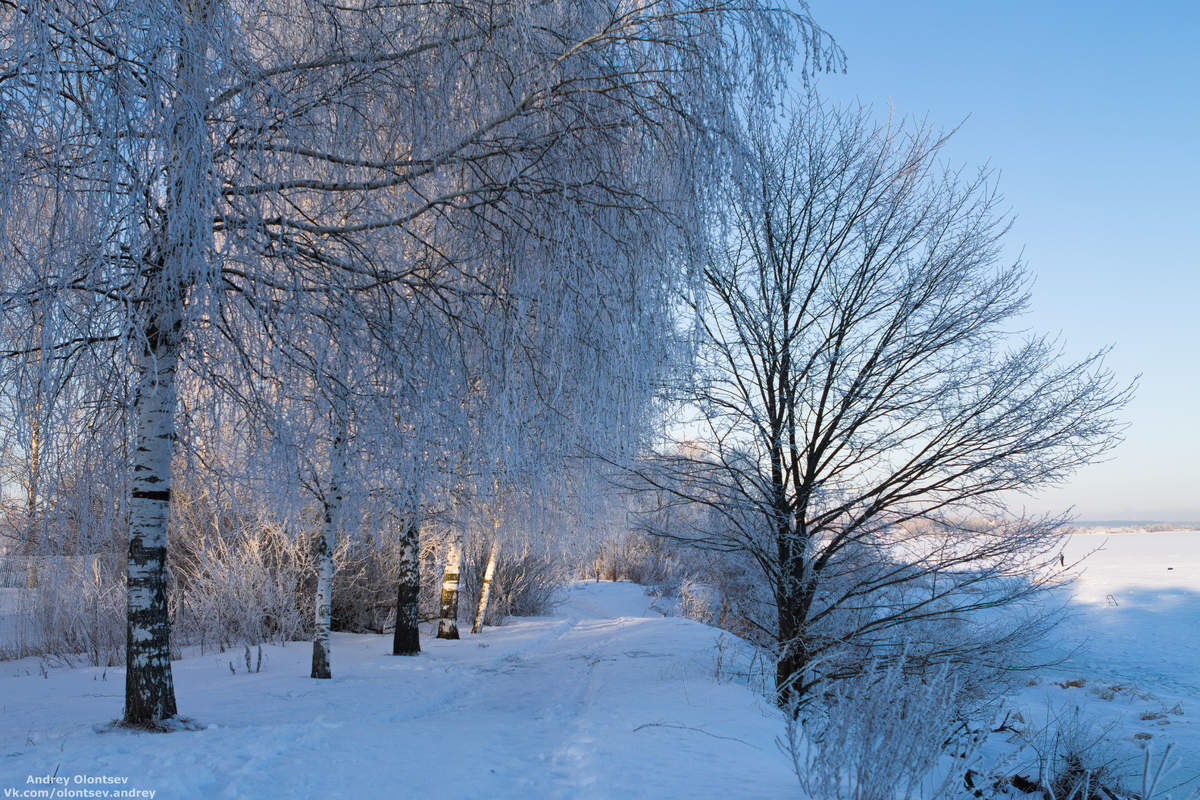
point(1137, 609)
point(1130, 648)
point(607, 698)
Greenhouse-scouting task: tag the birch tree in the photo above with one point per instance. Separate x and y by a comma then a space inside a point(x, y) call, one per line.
point(326, 540)
point(485, 589)
point(226, 161)
point(448, 603)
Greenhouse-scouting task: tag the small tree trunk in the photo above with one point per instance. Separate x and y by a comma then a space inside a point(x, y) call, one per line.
point(324, 609)
point(35, 463)
point(485, 591)
point(407, 640)
point(149, 688)
point(325, 542)
point(31, 541)
point(448, 621)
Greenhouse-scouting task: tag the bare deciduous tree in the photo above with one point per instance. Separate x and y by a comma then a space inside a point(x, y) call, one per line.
point(862, 409)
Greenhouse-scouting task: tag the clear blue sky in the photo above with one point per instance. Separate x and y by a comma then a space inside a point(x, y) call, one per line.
point(1091, 114)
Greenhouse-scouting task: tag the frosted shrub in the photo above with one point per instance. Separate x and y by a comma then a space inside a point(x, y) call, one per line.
point(77, 608)
point(1075, 759)
point(696, 601)
point(879, 736)
point(241, 589)
point(91, 609)
point(1155, 773)
point(524, 585)
point(526, 582)
point(364, 584)
point(647, 560)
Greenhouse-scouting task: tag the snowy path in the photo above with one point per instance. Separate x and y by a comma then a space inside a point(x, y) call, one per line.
point(605, 699)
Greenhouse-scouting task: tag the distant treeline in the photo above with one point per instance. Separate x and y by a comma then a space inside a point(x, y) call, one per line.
point(1125, 526)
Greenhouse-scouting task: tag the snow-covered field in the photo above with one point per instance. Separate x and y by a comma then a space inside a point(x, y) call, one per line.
point(607, 698)
point(1137, 608)
point(1130, 649)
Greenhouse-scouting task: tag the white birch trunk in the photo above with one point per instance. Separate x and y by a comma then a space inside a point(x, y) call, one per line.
point(485, 592)
point(149, 688)
point(176, 260)
point(448, 621)
point(406, 641)
point(321, 664)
